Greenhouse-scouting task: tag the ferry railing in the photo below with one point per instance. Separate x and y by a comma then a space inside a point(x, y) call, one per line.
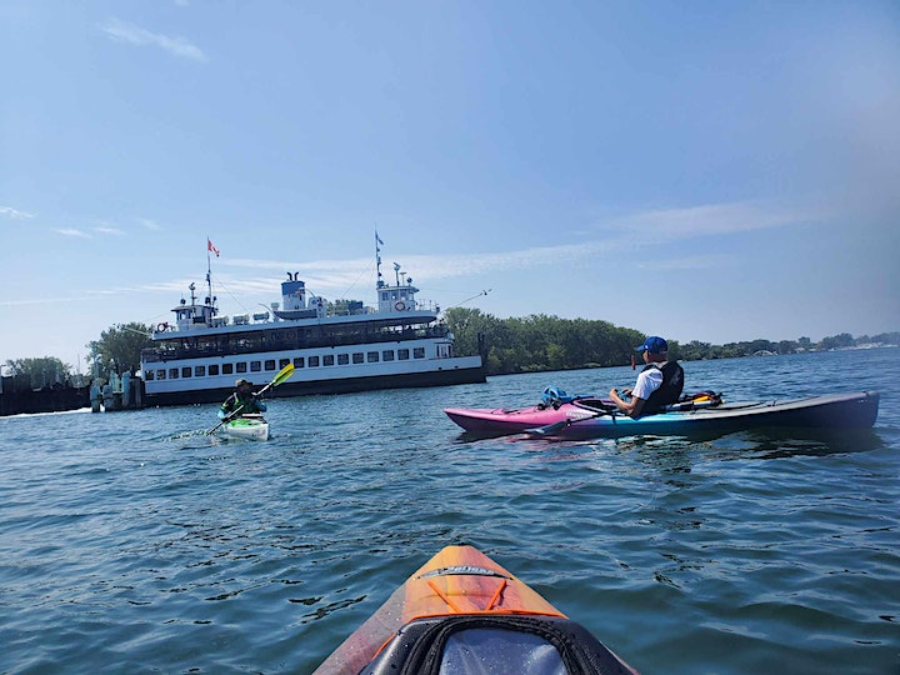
point(250, 345)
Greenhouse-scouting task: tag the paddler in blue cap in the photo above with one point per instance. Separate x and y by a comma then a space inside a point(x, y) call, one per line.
point(659, 384)
point(242, 402)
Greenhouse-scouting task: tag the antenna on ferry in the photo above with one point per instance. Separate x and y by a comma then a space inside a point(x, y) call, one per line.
point(459, 304)
point(397, 272)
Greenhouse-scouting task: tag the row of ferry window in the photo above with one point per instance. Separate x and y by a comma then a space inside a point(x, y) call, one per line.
point(299, 362)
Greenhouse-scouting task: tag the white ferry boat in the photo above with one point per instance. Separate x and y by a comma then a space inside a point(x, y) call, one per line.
point(401, 343)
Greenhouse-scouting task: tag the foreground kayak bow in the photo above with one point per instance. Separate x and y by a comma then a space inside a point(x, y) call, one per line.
point(463, 613)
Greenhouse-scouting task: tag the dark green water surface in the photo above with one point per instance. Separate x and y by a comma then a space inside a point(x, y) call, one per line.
point(134, 543)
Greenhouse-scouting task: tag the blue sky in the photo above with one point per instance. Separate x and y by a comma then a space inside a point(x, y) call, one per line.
point(698, 170)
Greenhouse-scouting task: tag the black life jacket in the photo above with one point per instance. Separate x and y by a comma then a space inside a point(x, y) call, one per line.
point(669, 391)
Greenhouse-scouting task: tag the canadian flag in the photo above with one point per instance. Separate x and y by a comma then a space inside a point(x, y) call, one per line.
point(210, 247)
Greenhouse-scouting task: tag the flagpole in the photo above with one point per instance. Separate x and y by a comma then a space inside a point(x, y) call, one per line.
point(378, 258)
point(209, 269)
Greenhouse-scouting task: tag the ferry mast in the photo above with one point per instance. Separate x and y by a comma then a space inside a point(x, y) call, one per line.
point(209, 247)
point(378, 244)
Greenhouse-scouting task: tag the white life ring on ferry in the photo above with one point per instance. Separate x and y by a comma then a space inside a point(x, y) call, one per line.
point(399, 305)
point(160, 327)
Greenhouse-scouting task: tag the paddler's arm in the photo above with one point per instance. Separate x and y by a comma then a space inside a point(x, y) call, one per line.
point(227, 407)
point(631, 408)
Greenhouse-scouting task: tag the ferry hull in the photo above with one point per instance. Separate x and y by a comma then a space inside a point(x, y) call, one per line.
point(438, 378)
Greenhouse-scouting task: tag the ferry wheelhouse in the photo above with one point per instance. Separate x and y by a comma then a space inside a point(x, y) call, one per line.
point(400, 343)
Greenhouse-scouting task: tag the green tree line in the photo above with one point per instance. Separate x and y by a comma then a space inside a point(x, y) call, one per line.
point(696, 351)
point(117, 350)
point(540, 342)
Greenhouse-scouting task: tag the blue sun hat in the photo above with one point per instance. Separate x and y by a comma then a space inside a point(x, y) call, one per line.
point(654, 344)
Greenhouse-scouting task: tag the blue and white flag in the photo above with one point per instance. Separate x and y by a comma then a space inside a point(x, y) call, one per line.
point(378, 239)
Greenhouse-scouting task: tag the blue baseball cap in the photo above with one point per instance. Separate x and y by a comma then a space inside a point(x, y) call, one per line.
point(654, 345)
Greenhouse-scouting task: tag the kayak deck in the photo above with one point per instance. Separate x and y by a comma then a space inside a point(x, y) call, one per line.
point(253, 428)
point(461, 606)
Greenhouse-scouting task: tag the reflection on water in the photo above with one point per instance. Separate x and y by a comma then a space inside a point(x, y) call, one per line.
point(763, 443)
point(781, 443)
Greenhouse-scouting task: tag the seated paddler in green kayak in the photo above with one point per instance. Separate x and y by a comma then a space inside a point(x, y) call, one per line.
point(242, 402)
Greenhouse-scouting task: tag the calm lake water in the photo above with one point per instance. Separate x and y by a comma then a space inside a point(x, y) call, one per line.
point(133, 543)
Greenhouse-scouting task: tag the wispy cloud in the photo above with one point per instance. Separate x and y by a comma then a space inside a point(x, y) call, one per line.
point(149, 224)
point(712, 219)
point(696, 262)
point(71, 232)
point(15, 214)
point(170, 288)
point(103, 229)
point(628, 234)
point(129, 33)
point(328, 276)
point(321, 276)
point(241, 278)
point(632, 233)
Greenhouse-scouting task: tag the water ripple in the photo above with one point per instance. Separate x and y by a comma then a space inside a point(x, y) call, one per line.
point(137, 543)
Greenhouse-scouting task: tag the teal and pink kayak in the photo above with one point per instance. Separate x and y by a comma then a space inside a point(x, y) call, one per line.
point(597, 418)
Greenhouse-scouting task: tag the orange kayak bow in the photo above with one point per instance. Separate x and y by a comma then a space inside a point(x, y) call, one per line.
point(461, 612)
